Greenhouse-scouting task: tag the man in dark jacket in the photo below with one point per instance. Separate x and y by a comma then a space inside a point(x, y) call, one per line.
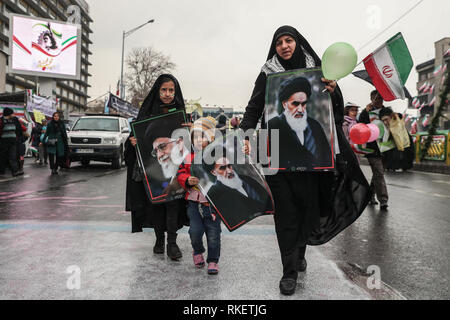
point(303, 143)
point(378, 184)
point(10, 135)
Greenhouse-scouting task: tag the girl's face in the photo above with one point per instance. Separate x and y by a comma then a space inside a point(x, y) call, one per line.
point(285, 47)
point(200, 141)
point(353, 113)
point(167, 92)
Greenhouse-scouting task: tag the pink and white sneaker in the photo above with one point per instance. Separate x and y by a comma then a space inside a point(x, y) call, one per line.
point(199, 261)
point(213, 268)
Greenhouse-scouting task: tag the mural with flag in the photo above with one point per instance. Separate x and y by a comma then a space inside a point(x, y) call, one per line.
point(389, 67)
point(45, 47)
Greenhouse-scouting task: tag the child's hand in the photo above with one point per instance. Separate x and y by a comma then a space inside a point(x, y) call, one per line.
point(247, 149)
point(193, 181)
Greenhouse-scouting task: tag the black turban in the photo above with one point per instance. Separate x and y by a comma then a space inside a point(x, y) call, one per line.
point(160, 128)
point(291, 86)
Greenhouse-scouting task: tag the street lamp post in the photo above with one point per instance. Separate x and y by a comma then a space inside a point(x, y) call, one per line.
point(124, 35)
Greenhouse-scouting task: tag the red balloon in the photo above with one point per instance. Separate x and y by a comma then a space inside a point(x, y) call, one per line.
point(360, 133)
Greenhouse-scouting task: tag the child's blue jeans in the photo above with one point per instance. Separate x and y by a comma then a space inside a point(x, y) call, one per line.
point(202, 222)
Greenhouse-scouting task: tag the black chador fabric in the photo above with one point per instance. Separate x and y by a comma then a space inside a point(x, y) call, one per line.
point(332, 201)
point(144, 214)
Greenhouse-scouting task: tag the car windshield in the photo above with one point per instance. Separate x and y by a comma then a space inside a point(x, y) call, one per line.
point(97, 124)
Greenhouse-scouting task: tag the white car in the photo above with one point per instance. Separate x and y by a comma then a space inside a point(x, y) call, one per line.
point(99, 138)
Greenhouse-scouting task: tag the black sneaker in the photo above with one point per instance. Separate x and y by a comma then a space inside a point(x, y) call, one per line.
point(17, 173)
point(159, 246)
point(173, 251)
point(373, 202)
point(302, 265)
point(384, 207)
point(288, 286)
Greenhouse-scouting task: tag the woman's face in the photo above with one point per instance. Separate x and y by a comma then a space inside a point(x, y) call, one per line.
point(285, 46)
point(167, 92)
point(56, 117)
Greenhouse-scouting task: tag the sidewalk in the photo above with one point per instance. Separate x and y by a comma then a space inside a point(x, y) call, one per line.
point(115, 264)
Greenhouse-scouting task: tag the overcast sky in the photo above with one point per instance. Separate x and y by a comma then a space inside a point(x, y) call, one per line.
point(219, 46)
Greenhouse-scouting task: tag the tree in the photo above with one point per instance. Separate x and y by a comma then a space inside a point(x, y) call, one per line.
point(144, 65)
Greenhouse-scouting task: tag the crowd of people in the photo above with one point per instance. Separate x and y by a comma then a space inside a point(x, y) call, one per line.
point(48, 141)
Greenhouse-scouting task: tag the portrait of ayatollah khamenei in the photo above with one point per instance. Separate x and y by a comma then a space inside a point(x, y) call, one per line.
point(301, 112)
point(162, 145)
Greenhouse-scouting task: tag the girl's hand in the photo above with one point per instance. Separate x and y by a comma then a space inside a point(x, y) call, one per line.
point(193, 181)
point(330, 85)
point(133, 141)
point(247, 149)
point(187, 125)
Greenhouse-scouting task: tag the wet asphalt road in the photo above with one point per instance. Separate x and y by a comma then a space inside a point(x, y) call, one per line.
point(77, 218)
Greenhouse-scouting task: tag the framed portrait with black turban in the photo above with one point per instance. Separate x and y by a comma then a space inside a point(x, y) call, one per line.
point(162, 145)
point(299, 114)
point(232, 184)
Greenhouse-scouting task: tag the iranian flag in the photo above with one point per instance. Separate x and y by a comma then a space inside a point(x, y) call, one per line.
point(432, 102)
point(389, 67)
point(425, 85)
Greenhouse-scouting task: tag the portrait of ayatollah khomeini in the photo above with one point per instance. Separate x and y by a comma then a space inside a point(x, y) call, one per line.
point(238, 197)
point(303, 143)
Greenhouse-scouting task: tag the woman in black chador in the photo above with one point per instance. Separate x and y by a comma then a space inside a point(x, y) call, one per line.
point(310, 207)
point(164, 97)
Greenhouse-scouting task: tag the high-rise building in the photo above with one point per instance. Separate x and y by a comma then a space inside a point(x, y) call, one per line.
point(430, 82)
point(72, 94)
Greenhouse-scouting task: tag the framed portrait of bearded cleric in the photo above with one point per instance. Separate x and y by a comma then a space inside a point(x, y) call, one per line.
point(299, 113)
point(234, 187)
point(162, 145)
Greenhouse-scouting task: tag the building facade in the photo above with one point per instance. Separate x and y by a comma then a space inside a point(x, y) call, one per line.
point(430, 82)
point(72, 94)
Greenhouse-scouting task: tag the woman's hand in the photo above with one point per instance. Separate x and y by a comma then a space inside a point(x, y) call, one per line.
point(133, 141)
point(193, 181)
point(330, 85)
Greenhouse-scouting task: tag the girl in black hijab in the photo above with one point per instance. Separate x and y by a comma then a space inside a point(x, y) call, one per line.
point(311, 207)
point(164, 97)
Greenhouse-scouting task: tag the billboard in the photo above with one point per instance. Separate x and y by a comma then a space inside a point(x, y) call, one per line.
point(45, 48)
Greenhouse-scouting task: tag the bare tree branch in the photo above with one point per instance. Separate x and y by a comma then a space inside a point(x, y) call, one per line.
point(144, 66)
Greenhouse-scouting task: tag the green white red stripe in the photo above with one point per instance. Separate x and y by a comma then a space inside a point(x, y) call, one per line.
point(389, 67)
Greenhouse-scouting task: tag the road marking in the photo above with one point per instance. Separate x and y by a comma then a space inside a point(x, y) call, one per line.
point(440, 181)
point(419, 191)
point(270, 231)
point(15, 178)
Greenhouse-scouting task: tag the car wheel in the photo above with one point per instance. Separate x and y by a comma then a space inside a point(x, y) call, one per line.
point(117, 162)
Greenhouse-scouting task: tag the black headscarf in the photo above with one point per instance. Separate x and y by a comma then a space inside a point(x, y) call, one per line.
point(298, 60)
point(153, 105)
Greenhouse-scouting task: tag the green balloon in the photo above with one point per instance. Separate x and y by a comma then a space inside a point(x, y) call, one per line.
point(339, 60)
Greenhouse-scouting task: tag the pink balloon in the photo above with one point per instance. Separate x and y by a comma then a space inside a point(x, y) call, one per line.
point(374, 132)
point(360, 133)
